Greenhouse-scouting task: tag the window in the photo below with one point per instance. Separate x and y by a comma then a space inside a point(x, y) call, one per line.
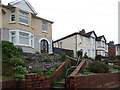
point(44, 27)
point(93, 41)
point(23, 38)
point(12, 16)
point(103, 44)
point(23, 17)
point(13, 37)
point(88, 52)
point(60, 44)
point(93, 53)
point(88, 40)
point(98, 44)
point(81, 39)
point(99, 52)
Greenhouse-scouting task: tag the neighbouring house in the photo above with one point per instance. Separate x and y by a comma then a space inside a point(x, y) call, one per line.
point(85, 42)
point(101, 46)
point(113, 49)
point(22, 27)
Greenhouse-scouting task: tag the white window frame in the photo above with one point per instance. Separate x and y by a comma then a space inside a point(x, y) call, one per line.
point(88, 40)
point(88, 53)
point(93, 40)
point(44, 27)
point(60, 44)
point(103, 44)
point(17, 38)
point(98, 44)
point(24, 16)
point(11, 16)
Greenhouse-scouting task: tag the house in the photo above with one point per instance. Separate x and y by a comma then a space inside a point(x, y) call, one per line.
point(85, 42)
point(22, 27)
point(113, 49)
point(101, 46)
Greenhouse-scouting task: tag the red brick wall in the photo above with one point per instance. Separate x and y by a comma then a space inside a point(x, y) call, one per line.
point(111, 51)
point(104, 80)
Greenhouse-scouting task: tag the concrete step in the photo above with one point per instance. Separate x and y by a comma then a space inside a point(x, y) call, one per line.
point(61, 81)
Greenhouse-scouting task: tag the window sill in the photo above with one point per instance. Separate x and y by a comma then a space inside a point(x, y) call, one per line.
point(23, 24)
point(44, 32)
point(12, 22)
point(24, 45)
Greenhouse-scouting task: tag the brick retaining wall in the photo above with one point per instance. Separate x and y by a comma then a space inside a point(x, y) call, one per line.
point(103, 80)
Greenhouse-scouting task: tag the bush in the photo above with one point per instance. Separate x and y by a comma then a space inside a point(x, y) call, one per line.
point(37, 52)
point(30, 59)
point(71, 54)
point(79, 74)
point(107, 61)
point(56, 66)
point(46, 60)
point(98, 67)
point(19, 49)
point(37, 70)
point(115, 67)
point(85, 55)
point(48, 73)
point(98, 57)
point(79, 53)
point(116, 61)
point(63, 57)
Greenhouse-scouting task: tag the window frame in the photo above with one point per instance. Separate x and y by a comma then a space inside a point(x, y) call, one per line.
point(11, 15)
point(44, 26)
point(60, 44)
point(17, 38)
point(24, 17)
point(81, 39)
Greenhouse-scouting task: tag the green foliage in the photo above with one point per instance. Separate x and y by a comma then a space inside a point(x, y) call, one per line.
point(54, 82)
point(88, 72)
point(16, 60)
point(98, 57)
point(49, 72)
point(37, 70)
point(79, 53)
point(85, 55)
point(71, 54)
point(37, 52)
point(107, 61)
point(30, 59)
point(63, 57)
point(19, 49)
point(8, 50)
point(56, 66)
point(98, 67)
point(45, 54)
point(46, 60)
point(20, 71)
point(79, 74)
point(115, 67)
point(116, 61)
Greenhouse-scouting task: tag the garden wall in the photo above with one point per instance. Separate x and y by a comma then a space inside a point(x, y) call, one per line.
point(103, 80)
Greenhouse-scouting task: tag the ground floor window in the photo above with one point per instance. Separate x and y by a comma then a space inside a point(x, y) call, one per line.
point(19, 37)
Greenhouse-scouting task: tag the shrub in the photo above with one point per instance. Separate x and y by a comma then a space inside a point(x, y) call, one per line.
point(49, 72)
point(88, 72)
point(56, 66)
point(79, 74)
point(79, 53)
point(98, 57)
point(71, 54)
point(107, 61)
point(98, 67)
point(116, 61)
point(63, 57)
point(115, 67)
point(37, 52)
point(85, 55)
point(46, 60)
point(19, 49)
point(30, 59)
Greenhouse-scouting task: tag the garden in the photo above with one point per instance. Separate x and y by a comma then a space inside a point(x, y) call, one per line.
point(15, 65)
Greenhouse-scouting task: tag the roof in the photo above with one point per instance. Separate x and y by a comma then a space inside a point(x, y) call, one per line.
point(44, 19)
point(100, 37)
point(16, 4)
point(89, 34)
point(85, 35)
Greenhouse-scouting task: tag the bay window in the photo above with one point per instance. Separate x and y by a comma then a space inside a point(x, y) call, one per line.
point(23, 17)
point(22, 38)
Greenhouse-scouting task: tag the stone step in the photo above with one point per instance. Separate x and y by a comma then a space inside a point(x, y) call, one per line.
point(61, 81)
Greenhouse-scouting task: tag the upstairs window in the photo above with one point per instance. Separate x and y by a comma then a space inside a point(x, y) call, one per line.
point(12, 16)
point(98, 44)
point(93, 41)
point(44, 26)
point(103, 44)
point(81, 39)
point(23, 17)
point(88, 40)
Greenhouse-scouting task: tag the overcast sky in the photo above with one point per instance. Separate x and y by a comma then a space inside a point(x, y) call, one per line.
point(70, 16)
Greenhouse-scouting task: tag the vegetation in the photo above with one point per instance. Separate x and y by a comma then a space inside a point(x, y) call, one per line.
point(37, 52)
point(98, 57)
point(37, 70)
point(71, 54)
point(79, 53)
point(49, 72)
point(12, 63)
point(115, 67)
point(46, 60)
point(63, 57)
point(30, 59)
point(56, 66)
point(85, 55)
point(98, 67)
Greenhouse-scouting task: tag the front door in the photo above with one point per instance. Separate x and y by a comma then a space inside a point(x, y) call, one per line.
point(44, 46)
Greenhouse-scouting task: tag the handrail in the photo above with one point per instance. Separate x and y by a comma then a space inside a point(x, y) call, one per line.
point(70, 69)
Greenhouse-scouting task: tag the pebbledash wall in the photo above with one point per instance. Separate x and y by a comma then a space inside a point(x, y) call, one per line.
point(37, 38)
point(34, 80)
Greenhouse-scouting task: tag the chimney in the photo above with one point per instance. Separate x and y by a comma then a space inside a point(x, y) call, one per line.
point(82, 31)
point(111, 43)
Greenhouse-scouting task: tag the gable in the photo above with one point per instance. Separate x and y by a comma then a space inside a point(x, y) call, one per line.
point(93, 35)
point(102, 39)
point(24, 5)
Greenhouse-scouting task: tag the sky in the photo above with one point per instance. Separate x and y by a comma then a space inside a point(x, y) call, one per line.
point(71, 16)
